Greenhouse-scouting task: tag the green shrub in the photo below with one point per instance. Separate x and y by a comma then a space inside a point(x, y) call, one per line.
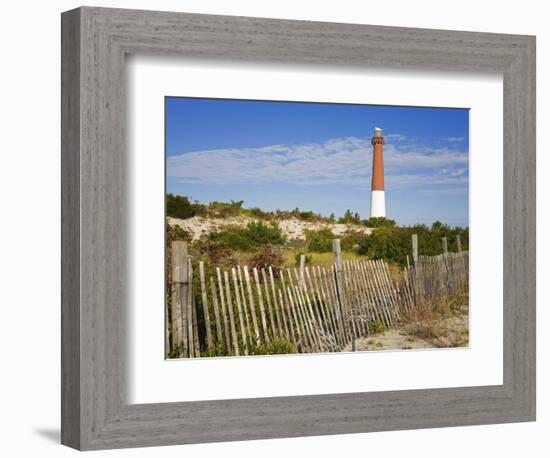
point(351, 239)
point(393, 244)
point(319, 241)
point(179, 233)
point(256, 234)
point(277, 346)
point(180, 207)
point(376, 327)
point(224, 209)
point(378, 221)
point(307, 216)
point(350, 218)
point(385, 243)
point(256, 212)
point(260, 233)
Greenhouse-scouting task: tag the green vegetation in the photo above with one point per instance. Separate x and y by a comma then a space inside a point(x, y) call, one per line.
point(378, 221)
point(276, 347)
point(376, 327)
point(181, 207)
point(179, 233)
point(393, 244)
point(319, 241)
point(350, 218)
point(233, 244)
point(298, 256)
point(224, 210)
point(255, 235)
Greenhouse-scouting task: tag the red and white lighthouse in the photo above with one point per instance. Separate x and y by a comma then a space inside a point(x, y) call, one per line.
point(378, 199)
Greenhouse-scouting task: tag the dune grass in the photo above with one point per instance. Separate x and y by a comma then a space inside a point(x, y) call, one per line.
point(320, 259)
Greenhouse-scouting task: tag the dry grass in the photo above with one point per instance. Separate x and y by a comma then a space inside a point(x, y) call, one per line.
point(321, 259)
point(442, 324)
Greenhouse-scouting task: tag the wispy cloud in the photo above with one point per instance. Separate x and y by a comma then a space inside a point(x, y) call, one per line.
point(455, 139)
point(395, 137)
point(343, 161)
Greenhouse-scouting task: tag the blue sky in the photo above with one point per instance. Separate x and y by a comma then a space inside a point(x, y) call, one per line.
point(282, 155)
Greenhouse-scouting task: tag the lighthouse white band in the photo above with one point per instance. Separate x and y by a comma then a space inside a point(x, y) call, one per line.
point(378, 204)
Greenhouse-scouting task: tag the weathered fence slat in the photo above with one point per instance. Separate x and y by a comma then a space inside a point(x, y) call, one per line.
point(279, 317)
point(243, 297)
point(261, 303)
point(190, 308)
point(271, 323)
point(205, 311)
point(240, 311)
point(224, 311)
point(215, 306)
point(231, 314)
point(251, 303)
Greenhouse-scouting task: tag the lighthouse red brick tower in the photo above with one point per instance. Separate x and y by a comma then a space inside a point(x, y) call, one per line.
point(378, 199)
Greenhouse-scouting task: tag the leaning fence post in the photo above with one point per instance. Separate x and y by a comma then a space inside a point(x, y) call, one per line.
point(458, 243)
point(206, 315)
point(445, 247)
point(302, 281)
point(416, 278)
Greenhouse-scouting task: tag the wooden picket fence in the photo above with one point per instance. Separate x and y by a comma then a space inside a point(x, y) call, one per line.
point(316, 308)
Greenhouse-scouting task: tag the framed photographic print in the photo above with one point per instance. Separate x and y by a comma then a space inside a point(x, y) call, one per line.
point(285, 228)
point(298, 269)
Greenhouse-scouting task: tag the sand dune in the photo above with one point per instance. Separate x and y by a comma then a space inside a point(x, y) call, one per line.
point(292, 228)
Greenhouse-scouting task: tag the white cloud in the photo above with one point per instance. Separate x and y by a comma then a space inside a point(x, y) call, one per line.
point(395, 137)
point(454, 139)
point(345, 161)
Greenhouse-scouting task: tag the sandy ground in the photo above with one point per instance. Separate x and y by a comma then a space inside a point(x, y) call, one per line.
point(293, 229)
point(453, 332)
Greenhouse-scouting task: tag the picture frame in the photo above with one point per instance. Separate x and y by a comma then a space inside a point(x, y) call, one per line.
point(95, 410)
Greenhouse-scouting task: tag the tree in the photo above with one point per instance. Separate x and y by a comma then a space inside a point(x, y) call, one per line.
point(350, 218)
point(180, 207)
point(378, 221)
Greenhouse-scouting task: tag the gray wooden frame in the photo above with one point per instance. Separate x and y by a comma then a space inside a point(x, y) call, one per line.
point(95, 413)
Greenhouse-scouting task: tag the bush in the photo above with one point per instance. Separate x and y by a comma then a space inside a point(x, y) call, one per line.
point(393, 244)
point(179, 233)
point(319, 241)
point(350, 218)
point(385, 243)
point(263, 234)
point(256, 212)
point(180, 207)
point(376, 327)
point(224, 209)
point(217, 254)
point(379, 221)
point(256, 234)
point(351, 240)
point(265, 258)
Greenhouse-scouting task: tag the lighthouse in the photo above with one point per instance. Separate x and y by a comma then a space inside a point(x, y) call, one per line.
point(378, 199)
